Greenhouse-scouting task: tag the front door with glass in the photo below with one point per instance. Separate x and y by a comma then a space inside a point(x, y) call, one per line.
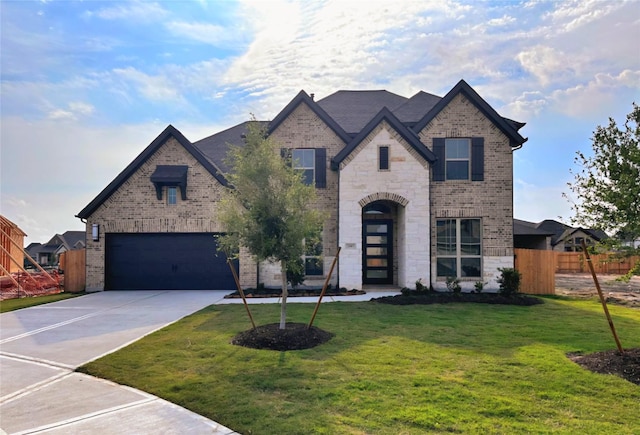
point(377, 255)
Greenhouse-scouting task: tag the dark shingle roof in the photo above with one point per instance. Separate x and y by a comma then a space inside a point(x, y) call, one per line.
point(216, 146)
point(554, 227)
point(352, 110)
point(525, 228)
point(416, 107)
point(72, 238)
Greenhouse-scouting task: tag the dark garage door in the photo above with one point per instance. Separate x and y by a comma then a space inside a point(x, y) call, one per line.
point(161, 261)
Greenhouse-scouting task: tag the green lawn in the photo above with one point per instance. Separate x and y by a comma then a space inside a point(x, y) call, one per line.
point(16, 304)
point(465, 368)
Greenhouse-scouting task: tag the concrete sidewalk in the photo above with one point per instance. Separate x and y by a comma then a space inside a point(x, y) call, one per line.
point(41, 346)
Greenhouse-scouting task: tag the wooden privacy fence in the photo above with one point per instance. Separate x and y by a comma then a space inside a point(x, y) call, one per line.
point(575, 262)
point(73, 265)
point(538, 271)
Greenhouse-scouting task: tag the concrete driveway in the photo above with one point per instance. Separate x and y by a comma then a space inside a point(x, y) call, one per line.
point(41, 346)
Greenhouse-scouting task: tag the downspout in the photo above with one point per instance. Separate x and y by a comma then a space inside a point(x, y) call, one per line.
point(338, 231)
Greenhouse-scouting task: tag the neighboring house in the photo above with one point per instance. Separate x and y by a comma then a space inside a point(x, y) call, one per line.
point(12, 241)
point(415, 188)
point(562, 237)
point(527, 236)
point(47, 254)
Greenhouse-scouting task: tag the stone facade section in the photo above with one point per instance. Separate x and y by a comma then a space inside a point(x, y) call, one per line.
point(406, 182)
point(135, 208)
point(490, 200)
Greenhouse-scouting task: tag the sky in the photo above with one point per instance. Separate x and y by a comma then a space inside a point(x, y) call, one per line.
point(87, 85)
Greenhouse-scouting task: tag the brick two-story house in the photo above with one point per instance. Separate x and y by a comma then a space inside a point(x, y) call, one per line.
point(416, 188)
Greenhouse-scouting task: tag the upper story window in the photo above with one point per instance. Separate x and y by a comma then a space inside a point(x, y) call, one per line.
point(304, 160)
point(458, 156)
point(312, 162)
point(172, 195)
point(458, 159)
point(383, 158)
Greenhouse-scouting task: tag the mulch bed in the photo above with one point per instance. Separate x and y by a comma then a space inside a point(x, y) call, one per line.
point(295, 336)
point(298, 292)
point(449, 297)
point(612, 362)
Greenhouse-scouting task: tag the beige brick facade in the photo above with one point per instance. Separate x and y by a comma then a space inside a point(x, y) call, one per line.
point(304, 129)
point(135, 208)
point(416, 201)
point(490, 200)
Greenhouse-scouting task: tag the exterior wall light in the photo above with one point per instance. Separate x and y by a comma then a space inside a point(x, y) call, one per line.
point(95, 232)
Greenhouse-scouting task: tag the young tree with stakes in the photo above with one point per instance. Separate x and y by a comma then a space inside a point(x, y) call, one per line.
point(607, 186)
point(267, 209)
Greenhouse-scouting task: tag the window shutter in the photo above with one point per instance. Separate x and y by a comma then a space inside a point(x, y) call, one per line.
point(285, 153)
point(439, 164)
point(477, 159)
point(321, 168)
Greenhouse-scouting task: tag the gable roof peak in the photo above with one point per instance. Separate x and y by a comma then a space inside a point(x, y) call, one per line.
point(462, 87)
point(406, 133)
point(304, 98)
point(168, 132)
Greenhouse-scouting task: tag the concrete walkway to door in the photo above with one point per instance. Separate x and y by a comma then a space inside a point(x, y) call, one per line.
point(42, 345)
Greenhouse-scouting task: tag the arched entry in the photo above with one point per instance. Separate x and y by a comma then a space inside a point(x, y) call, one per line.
point(378, 242)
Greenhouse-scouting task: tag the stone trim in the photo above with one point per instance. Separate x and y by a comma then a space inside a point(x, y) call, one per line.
point(381, 196)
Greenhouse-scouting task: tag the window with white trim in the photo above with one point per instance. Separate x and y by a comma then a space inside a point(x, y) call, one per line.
point(303, 159)
point(457, 154)
point(459, 248)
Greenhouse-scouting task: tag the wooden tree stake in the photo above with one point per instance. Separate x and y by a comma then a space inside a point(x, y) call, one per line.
point(244, 299)
point(602, 300)
point(324, 288)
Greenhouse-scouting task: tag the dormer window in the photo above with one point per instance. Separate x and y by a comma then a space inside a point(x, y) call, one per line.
point(173, 177)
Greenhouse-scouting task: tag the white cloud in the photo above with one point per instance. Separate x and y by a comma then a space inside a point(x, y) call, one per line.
point(547, 64)
point(155, 88)
point(75, 110)
point(597, 98)
point(137, 10)
point(211, 34)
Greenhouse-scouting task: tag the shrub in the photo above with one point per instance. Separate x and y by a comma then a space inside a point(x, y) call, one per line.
point(453, 284)
point(478, 286)
point(421, 288)
point(509, 281)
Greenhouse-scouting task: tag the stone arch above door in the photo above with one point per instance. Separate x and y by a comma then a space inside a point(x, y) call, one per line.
point(381, 196)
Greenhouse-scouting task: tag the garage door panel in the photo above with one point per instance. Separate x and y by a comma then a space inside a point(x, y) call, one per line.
point(151, 261)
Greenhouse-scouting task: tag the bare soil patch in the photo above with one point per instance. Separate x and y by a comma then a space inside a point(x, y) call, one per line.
point(581, 285)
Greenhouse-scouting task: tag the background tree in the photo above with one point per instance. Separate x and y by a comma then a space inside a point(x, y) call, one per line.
point(607, 186)
point(268, 210)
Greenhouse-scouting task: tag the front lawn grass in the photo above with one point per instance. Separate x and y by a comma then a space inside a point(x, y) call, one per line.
point(462, 368)
point(16, 304)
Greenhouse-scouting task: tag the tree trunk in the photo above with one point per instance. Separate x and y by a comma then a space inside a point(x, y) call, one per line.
point(283, 306)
